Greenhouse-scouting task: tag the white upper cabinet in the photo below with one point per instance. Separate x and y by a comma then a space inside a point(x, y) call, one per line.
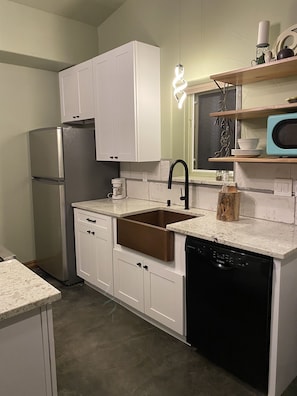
point(127, 103)
point(76, 92)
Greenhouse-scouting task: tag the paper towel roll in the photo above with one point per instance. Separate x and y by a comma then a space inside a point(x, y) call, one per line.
point(263, 33)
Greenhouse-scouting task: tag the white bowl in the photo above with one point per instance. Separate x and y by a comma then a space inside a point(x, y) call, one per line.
point(248, 144)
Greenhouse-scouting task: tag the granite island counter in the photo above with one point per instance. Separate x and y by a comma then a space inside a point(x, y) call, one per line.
point(27, 358)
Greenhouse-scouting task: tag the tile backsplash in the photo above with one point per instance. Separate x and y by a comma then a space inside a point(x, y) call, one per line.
point(256, 184)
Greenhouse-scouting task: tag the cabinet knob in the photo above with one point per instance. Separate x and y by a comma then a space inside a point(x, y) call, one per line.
point(93, 232)
point(138, 265)
point(145, 267)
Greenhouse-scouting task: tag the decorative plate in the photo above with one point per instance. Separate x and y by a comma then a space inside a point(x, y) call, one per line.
point(245, 153)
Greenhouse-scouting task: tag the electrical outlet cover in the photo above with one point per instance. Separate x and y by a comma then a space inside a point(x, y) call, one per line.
point(283, 187)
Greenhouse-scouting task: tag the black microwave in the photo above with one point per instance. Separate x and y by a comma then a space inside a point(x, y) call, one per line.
point(282, 135)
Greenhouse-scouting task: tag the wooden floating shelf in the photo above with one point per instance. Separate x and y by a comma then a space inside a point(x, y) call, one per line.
point(266, 71)
point(268, 160)
point(257, 112)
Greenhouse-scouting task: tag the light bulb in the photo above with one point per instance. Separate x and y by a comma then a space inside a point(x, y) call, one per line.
point(179, 84)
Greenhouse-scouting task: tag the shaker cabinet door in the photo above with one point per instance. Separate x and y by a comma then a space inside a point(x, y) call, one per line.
point(76, 92)
point(128, 279)
point(127, 103)
point(93, 245)
point(163, 296)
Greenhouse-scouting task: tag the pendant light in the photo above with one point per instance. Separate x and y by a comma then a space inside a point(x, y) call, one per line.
point(179, 83)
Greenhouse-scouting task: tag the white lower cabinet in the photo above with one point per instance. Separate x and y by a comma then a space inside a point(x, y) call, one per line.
point(93, 244)
point(149, 287)
point(28, 365)
point(146, 285)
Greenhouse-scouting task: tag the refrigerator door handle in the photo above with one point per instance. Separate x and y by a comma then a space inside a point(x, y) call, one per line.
point(49, 180)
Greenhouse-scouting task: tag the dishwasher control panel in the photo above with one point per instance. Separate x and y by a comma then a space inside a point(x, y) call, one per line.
point(221, 254)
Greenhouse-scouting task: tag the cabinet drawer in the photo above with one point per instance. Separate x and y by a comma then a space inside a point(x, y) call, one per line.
point(91, 218)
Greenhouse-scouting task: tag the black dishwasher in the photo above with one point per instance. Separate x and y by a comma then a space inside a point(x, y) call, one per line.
point(228, 299)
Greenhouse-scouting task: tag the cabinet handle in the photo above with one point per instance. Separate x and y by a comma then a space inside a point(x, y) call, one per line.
point(138, 265)
point(93, 232)
point(116, 157)
point(145, 267)
point(111, 157)
point(91, 220)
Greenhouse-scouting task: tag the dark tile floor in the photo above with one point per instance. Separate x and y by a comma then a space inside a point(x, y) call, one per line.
point(102, 349)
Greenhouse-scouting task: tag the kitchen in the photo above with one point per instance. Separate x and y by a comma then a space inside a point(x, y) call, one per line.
point(51, 43)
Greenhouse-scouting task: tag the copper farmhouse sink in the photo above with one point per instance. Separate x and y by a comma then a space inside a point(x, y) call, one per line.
point(147, 233)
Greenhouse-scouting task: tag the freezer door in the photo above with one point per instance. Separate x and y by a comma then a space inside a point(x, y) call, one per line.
point(46, 153)
point(49, 226)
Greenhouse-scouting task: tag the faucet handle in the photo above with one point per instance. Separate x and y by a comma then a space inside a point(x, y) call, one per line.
point(182, 197)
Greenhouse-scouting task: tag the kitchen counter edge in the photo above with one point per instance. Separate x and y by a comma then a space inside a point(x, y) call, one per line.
point(21, 290)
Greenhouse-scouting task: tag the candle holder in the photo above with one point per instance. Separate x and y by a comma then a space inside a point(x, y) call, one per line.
point(263, 54)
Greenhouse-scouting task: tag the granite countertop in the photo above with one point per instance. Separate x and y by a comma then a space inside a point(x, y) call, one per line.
point(119, 207)
point(21, 290)
point(278, 240)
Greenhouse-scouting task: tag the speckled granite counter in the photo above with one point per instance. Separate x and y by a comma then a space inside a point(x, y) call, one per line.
point(273, 239)
point(21, 290)
point(118, 208)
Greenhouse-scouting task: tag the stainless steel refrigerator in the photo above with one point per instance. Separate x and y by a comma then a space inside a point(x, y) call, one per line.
point(64, 170)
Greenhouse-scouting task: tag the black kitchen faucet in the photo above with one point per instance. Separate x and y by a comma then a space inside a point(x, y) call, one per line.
point(186, 196)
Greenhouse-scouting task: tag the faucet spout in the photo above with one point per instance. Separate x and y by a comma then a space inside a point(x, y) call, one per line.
point(186, 183)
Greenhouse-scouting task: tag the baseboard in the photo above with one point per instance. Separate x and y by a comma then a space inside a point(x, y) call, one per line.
point(31, 264)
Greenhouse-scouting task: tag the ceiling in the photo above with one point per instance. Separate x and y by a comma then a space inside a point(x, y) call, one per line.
point(92, 12)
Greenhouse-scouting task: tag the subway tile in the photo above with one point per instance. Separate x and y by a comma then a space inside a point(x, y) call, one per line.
point(159, 192)
point(267, 207)
point(205, 197)
point(261, 176)
point(164, 169)
point(137, 189)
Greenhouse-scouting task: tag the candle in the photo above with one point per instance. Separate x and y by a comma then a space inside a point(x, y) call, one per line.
point(263, 34)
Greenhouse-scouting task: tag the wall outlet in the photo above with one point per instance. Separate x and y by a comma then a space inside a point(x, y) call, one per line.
point(283, 187)
point(295, 188)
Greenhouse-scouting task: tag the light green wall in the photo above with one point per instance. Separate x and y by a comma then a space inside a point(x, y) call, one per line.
point(214, 36)
point(35, 38)
point(211, 36)
point(28, 100)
